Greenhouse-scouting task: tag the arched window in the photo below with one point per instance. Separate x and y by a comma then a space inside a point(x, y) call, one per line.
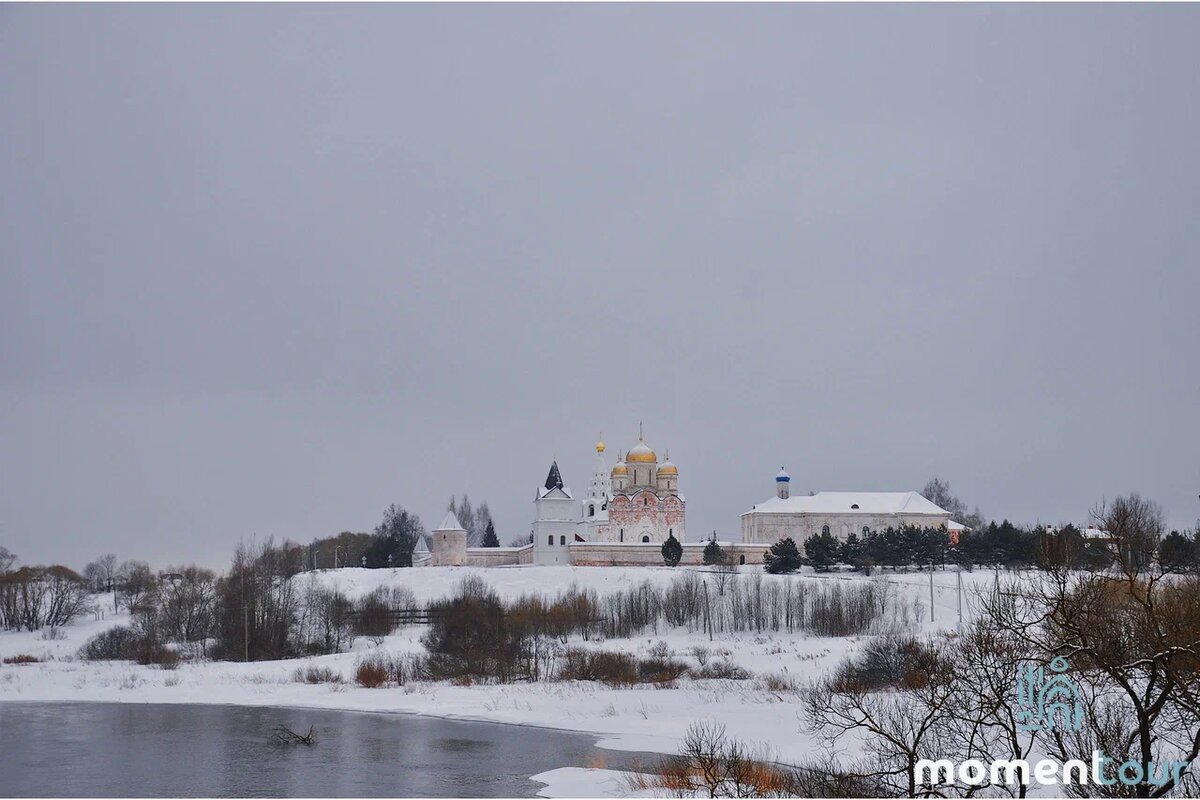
point(855, 506)
point(622, 535)
point(866, 530)
point(645, 540)
point(562, 540)
point(645, 501)
point(824, 530)
point(742, 559)
point(550, 540)
point(591, 510)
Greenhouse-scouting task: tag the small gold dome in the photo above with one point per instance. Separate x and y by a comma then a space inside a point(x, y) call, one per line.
point(667, 468)
point(599, 447)
point(641, 454)
point(620, 469)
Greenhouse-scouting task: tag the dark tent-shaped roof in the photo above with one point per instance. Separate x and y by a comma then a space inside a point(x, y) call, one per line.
point(554, 479)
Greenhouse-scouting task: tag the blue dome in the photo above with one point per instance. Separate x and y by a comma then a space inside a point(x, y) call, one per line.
point(782, 477)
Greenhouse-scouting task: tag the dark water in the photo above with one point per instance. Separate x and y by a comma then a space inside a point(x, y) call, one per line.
point(125, 750)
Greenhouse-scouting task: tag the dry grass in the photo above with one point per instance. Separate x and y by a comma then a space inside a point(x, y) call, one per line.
point(23, 658)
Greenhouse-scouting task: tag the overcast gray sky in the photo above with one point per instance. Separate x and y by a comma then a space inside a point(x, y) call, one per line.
point(267, 269)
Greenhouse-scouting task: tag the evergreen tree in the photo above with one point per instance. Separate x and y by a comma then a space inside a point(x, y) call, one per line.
point(489, 536)
point(853, 550)
point(714, 554)
point(783, 557)
point(672, 551)
point(394, 539)
point(822, 550)
point(1178, 553)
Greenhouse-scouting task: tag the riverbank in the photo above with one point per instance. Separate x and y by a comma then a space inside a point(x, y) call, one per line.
point(762, 710)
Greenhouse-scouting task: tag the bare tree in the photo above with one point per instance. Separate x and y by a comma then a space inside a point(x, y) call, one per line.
point(1135, 525)
point(7, 559)
point(1133, 640)
point(937, 491)
point(93, 573)
point(36, 597)
point(904, 722)
point(134, 581)
point(187, 598)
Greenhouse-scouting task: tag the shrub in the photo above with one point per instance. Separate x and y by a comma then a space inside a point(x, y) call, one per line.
point(379, 668)
point(710, 764)
point(125, 644)
point(474, 635)
point(53, 635)
point(888, 662)
point(316, 675)
point(660, 649)
point(22, 659)
point(722, 670)
point(114, 644)
point(164, 657)
point(778, 682)
point(374, 617)
point(661, 670)
point(371, 675)
point(613, 669)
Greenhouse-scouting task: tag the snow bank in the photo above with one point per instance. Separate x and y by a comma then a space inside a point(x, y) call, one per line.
point(640, 718)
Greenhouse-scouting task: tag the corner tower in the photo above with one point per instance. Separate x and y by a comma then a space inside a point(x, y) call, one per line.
point(555, 513)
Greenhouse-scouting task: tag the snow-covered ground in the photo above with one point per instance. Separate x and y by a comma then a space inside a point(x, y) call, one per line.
point(641, 718)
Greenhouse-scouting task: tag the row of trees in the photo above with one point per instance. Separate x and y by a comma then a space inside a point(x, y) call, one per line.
point(1004, 545)
point(391, 543)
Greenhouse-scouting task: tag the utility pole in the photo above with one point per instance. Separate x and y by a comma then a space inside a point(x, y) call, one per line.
point(245, 620)
point(958, 575)
point(707, 613)
point(931, 591)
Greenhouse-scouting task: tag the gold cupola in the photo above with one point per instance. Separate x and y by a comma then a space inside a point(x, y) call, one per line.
point(641, 454)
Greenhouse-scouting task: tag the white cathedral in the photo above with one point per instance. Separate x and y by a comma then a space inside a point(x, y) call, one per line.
point(630, 510)
point(637, 502)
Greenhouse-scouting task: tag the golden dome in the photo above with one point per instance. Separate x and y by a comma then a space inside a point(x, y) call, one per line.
point(620, 469)
point(641, 454)
point(667, 468)
point(600, 446)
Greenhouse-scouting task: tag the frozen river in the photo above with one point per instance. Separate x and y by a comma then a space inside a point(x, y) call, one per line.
point(128, 750)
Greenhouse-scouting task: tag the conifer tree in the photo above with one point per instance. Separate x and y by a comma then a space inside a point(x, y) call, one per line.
point(672, 551)
point(489, 536)
point(714, 554)
point(783, 557)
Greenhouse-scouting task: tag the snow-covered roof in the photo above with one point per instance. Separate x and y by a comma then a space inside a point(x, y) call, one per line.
point(450, 523)
point(849, 503)
point(421, 547)
point(544, 492)
point(951, 525)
